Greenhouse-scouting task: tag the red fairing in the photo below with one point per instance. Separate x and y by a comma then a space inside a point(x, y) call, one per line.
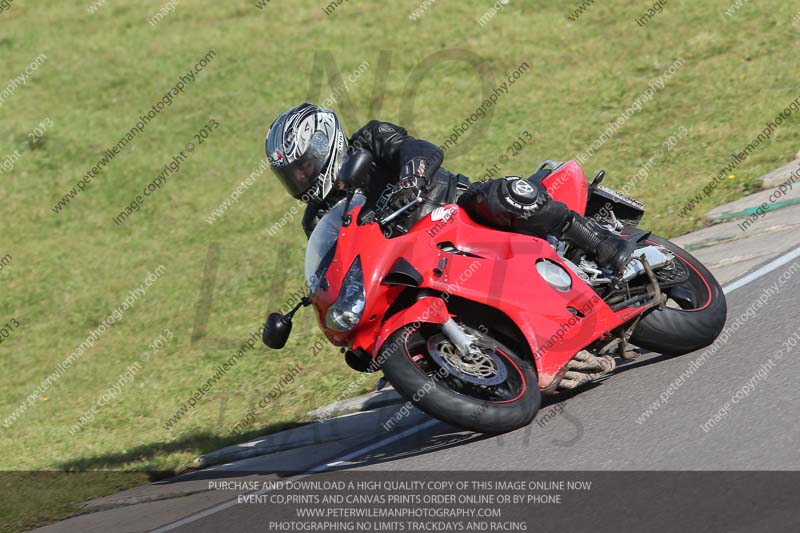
point(429, 309)
point(568, 185)
point(494, 268)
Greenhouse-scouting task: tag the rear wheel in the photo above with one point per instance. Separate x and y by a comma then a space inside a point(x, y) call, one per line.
point(491, 390)
point(695, 313)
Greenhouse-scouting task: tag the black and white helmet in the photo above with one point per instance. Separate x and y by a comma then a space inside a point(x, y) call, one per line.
point(305, 147)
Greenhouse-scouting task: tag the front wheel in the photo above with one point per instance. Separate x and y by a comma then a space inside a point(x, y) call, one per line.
point(695, 314)
point(490, 390)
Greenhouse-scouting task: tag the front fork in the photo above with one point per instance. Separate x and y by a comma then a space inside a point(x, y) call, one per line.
point(453, 331)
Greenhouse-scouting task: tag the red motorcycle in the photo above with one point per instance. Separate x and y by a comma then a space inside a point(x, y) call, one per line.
point(472, 324)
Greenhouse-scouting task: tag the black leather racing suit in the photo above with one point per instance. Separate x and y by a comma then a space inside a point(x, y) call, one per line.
point(511, 203)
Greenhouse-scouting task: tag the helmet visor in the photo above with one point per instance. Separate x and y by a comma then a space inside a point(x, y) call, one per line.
point(303, 173)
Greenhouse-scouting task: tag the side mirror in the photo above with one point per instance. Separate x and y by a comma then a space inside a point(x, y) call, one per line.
point(355, 169)
point(277, 330)
point(598, 178)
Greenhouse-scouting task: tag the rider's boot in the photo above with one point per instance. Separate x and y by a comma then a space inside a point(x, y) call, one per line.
point(609, 249)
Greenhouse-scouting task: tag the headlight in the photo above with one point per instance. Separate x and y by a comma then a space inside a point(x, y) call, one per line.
point(346, 311)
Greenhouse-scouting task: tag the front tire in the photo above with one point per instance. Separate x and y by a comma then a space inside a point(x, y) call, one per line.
point(501, 395)
point(698, 320)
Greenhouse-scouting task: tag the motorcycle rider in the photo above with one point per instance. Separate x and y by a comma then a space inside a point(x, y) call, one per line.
point(306, 147)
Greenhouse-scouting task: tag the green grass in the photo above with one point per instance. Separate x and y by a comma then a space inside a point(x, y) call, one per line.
point(103, 70)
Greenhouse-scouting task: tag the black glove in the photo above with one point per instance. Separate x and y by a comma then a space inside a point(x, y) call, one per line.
point(411, 183)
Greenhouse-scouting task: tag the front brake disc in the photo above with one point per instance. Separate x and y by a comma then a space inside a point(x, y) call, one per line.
point(482, 366)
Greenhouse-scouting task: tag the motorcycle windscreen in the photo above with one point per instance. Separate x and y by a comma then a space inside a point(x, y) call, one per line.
point(322, 242)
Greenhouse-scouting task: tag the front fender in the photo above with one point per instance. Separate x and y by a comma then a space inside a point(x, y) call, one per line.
point(430, 309)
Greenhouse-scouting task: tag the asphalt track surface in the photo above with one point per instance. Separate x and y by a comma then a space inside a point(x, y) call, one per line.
point(605, 427)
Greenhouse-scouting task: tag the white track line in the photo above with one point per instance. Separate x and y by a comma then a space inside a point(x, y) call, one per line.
point(317, 469)
point(376, 445)
point(198, 516)
point(766, 269)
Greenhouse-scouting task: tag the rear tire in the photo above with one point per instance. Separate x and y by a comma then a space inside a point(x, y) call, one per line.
point(437, 390)
point(699, 320)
